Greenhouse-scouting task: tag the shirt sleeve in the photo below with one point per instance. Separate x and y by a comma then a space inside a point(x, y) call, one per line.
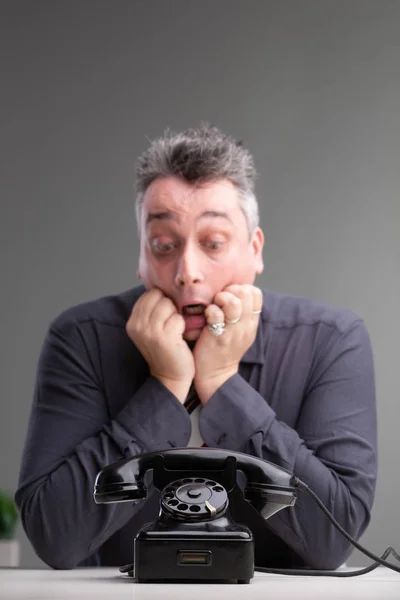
point(333, 448)
point(71, 438)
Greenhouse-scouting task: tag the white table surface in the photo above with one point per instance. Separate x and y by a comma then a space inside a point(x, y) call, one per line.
point(108, 583)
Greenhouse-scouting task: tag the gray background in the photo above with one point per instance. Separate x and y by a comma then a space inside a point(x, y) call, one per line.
point(313, 88)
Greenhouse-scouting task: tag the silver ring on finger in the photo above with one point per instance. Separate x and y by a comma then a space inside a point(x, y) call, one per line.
point(216, 329)
point(232, 321)
point(256, 312)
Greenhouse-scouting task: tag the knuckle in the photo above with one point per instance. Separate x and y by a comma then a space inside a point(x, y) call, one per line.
point(222, 297)
point(154, 292)
point(168, 303)
point(236, 303)
point(243, 291)
point(233, 288)
point(248, 289)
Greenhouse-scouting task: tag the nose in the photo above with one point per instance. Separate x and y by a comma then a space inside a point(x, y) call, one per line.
point(188, 268)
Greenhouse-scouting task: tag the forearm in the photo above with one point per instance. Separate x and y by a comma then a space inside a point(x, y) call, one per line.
point(238, 418)
point(58, 513)
point(307, 530)
point(56, 502)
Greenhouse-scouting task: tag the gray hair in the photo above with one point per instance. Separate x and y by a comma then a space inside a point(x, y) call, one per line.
point(199, 155)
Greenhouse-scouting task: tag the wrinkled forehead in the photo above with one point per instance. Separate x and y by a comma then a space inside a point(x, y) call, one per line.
point(173, 197)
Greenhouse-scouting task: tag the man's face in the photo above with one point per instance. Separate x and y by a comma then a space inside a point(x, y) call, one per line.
point(195, 242)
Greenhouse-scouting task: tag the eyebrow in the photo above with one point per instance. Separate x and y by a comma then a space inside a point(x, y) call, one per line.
point(170, 216)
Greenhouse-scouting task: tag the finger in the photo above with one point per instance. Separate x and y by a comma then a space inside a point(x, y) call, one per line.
point(214, 314)
point(146, 303)
point(161, 312)
point(257, 302)
point(175, 324)
point(245, 294)
point(231, 306)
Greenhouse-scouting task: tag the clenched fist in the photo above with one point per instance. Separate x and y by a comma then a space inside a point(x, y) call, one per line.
point(156, 328)
point(238, 307)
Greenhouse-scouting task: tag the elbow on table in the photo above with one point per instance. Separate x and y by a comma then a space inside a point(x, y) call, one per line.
point(336, 549)
point(330, 561)
point(54, 550)
point(59, 563)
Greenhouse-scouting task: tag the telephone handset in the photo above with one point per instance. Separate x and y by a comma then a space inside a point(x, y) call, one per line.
point(195, 536)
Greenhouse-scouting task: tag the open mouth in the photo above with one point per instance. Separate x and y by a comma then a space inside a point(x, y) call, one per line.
point(193, 309)
point(194, 316)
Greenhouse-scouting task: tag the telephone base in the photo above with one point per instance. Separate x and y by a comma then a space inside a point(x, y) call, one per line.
point(211, 557)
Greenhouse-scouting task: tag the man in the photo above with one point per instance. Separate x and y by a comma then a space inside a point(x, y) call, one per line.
point(271, 375)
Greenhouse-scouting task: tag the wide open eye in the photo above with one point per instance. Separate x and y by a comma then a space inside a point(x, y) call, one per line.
point(213, 245)
point(161, 247)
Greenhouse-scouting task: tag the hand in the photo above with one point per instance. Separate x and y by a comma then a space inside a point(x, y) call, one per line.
point(156, 328)
point(217, 358)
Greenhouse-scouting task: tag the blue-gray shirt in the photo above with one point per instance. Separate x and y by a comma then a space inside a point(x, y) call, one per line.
point(304, 398)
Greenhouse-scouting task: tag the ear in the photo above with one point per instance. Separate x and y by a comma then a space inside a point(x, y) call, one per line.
point(138, 274)
point(257, 245)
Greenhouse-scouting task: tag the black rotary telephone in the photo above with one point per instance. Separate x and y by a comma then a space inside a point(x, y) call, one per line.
point(194, 536)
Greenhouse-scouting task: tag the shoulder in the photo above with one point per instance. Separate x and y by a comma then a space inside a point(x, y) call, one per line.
point(308, 336)
point(287, 311)
point(111, 310)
